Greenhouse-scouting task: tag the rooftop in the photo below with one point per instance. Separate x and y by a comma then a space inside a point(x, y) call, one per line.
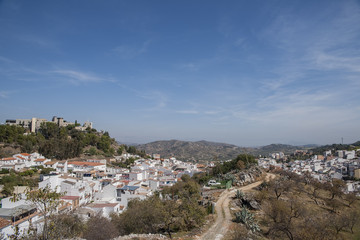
point(102, 205)
point(129, 188)
point(86, 164)
point(70, 197)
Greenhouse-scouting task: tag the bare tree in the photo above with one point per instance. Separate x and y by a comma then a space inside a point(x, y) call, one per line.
point(281, 214)
point(315, 188)
point(100, 228)
point(350, 198)
point(46, 202)
point(279, 186)
point(335, 188)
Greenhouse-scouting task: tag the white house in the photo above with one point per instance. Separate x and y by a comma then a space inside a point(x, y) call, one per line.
point(87, 166)
point(105, 209)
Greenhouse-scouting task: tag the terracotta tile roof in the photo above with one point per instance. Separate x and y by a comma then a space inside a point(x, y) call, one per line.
point(50, 163)
point(40, 160)
point(70, 197)
point(8, 159)
point(86, 164)
point(4, 223)
point(25, 154)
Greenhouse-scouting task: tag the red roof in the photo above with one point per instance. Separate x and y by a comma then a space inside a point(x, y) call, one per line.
point(50, 163)
point(8, 159)
point(40, 160)
point(25, 154)
point(86, 164)
point(4, 223)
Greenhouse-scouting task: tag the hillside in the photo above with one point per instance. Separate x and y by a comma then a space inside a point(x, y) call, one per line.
point(208, 151)
point(185, 150)
point(265, 150)
point(335, 147)
point(292, 206)
point(55, 142)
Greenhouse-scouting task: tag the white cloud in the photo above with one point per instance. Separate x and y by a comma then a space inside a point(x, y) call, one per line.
point(189, 66)
point(157, 98)
point(40, 41)
point(4, 94)
point(131, 51)
point(77, 77)
point(187, 112)
point(336, 62)
point(7, 60)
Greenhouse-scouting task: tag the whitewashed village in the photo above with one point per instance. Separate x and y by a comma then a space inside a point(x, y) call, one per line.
point(92, 187)
point(89, 187)
point(341, 164)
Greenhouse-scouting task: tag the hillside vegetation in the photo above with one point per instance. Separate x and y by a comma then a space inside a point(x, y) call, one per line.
point(298, 207)
point(191, 151)
point(55, 142)
point(335, 147)
point(210, 151)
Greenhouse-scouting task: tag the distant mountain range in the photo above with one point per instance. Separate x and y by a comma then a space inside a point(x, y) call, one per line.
point(208, 151)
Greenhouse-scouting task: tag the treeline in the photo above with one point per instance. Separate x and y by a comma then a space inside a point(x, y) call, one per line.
point(57, 142)
point(241, 162)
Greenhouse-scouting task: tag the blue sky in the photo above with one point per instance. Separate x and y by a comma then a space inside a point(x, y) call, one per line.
point(244, 72)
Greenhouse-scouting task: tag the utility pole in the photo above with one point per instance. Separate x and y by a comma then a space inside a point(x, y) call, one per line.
point(342, 140)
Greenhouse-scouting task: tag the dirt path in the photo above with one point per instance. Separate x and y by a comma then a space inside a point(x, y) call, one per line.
point(223, 220)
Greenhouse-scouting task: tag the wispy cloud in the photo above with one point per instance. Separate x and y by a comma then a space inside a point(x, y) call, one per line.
point(6, 60)
point(17, 71)
point(187, 112)
point(40, 41)
point(155, 97)
point(131, 51)
point(77, 77)
point(4, 94)
point(336, 62)
point(189, 66)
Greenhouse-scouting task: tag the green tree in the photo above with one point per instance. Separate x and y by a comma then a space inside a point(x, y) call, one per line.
point(132, 150)
point(8, 189)
point(120, 150)
point(92, 151)
point(46, 171)
point(49, 130)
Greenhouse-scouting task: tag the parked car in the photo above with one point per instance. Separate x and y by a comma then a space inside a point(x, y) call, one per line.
point(213, 182)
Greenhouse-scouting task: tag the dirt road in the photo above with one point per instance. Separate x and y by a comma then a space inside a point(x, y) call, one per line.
point(223, 220)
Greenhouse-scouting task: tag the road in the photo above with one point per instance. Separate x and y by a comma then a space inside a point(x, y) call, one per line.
point(223, 220)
